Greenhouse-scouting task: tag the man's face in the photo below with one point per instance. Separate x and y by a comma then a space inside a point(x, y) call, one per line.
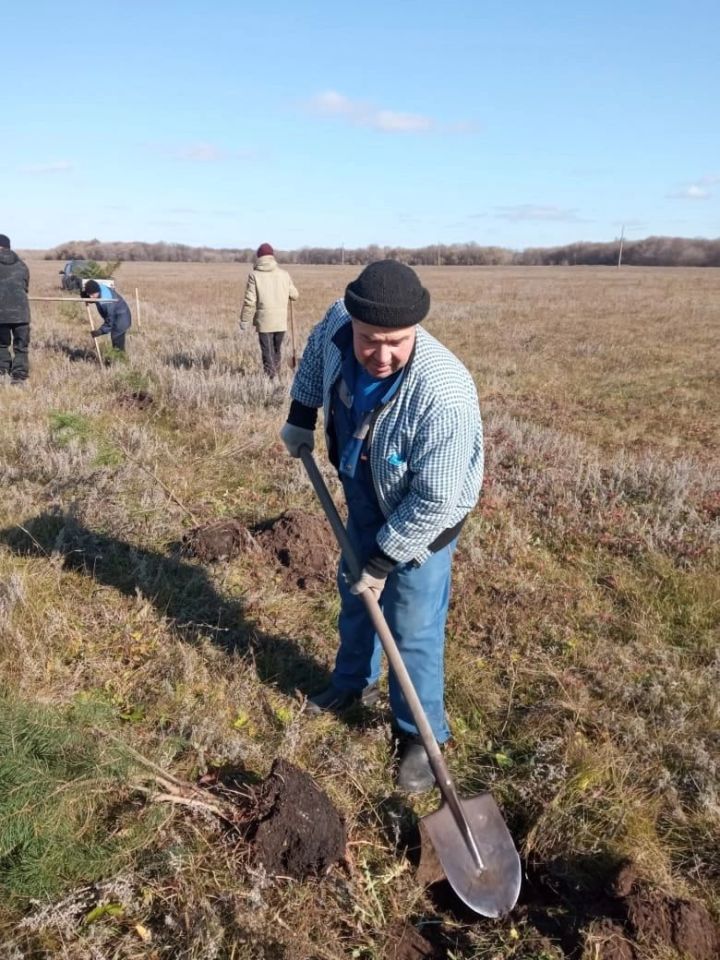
point(382, 351)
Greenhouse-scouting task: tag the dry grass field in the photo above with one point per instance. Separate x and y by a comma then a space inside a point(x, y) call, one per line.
point(583, 659)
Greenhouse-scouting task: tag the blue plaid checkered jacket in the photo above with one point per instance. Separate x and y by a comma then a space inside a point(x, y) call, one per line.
point(426, 445)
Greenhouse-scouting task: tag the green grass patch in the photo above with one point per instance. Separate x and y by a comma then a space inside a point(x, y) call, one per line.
point(61, 794)
point(66, 427)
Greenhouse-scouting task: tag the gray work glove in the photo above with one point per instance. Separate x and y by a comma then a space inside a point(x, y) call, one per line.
point(244, 326)
point(369, 581)
point(295, 437)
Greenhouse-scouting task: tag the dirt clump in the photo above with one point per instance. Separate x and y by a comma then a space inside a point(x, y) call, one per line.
point(684, 925)
point(303, 544)
point(221, 540)
point(300, 544)
point(624, 881)
point(610, 942)
point(405, 942)
point(299, 832)
point(588, 908)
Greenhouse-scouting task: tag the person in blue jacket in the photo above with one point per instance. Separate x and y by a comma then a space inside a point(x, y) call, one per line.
point(115, 315)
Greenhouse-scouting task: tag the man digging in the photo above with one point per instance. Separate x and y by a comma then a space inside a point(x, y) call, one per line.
point(116, 316)
point(403, 429)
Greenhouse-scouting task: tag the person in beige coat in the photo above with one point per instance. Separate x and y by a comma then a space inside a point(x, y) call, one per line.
point(265, 306)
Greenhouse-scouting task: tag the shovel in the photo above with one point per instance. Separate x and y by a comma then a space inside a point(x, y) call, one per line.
point(92, 327)
point(470, 838)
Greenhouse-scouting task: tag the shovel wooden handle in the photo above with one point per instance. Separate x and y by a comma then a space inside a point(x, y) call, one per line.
point(97, 345)
point(293, 358)
point(437, 761)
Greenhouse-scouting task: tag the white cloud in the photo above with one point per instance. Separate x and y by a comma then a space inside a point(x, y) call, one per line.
point(697, 190)
point(55, 166)
point(392, 122)
point(530, 211)
point(330, 103)
point(693, 191)
point(333, 102)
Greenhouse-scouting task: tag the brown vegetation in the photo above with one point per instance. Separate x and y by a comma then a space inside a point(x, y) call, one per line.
point(583, 635)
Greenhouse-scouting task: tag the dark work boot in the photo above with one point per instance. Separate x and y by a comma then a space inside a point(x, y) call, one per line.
point(415, 774)
point(333, 700)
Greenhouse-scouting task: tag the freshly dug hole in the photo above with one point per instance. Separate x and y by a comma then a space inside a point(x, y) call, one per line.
point(220, 540)
point(616, 916)
point(138, 398)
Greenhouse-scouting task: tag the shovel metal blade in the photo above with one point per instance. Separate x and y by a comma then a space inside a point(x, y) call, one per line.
point(493, 891)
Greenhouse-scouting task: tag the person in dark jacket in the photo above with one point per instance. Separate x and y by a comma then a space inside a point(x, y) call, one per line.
point(116, 315)
point(14, 316)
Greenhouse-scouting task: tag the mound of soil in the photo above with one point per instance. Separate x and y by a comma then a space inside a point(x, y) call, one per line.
point(303, 544)
point(300, 544)
point(299, 832)
point(618, 919)
point(684, 925)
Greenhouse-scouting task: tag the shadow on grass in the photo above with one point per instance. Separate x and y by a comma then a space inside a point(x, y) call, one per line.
point(186, 361)
point(73, 353)
point(180, 591)
point(204, 361)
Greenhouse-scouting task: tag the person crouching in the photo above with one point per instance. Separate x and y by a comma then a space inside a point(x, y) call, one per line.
point(115, 314)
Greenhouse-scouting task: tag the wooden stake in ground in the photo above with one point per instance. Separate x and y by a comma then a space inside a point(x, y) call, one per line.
point(293, 358)
point(67, 300)
point(97, 345)
point(137, 308)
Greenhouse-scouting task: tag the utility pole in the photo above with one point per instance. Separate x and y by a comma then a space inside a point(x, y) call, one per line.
point(622, 237)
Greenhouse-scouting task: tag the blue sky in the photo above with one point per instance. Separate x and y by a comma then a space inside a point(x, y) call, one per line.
point(329, 123)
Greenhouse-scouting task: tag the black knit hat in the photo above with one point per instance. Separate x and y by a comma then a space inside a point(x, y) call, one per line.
point(4, 241)
point(387, 294)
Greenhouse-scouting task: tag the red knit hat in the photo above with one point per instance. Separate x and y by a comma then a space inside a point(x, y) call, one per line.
point(265, 250)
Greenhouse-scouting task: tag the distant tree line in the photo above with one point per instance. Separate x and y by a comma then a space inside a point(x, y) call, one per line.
point(137, 250)
point(651, 252)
